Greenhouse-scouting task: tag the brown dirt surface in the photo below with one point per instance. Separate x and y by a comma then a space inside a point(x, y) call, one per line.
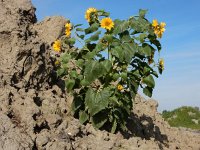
point(35, 109)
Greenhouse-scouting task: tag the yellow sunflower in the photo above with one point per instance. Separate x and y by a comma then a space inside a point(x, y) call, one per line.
point(88, 13)
point(57, 62)
point(161, 64)
point(68, 29)
point(57, 46)
point(120, 87)
point(159, 29)
point(107, 23)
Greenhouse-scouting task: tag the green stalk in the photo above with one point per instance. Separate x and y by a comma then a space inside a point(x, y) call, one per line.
point(109, 53)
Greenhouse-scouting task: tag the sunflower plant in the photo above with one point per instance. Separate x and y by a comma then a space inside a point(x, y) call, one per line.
point(115, 59)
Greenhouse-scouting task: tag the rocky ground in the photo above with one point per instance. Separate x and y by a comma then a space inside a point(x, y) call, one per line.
point(34, 108)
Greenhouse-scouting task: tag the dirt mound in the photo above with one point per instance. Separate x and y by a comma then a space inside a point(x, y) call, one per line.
point(34, 110)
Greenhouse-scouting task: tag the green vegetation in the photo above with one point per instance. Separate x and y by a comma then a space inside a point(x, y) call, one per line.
point(116, 58)
point(185, 116)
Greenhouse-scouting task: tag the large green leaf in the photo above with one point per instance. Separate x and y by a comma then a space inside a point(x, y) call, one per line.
point(147, 49)
point(94, 27)
point(139, 25)
point(120, 26)
point(149, 81)
point(118, 52)
point(129, 50)
point(135, 25)
point(142, 37)
point(93, 70)
point(124, 52)
point(108, 38)
point(99, 119)
point(107, 65)
point(94, 37)
point(96, 101)
point(96, 69)
point(125, 37)
point(76, 104)
point(148, 91)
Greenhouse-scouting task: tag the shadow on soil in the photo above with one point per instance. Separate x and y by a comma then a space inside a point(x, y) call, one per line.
point(145, 128)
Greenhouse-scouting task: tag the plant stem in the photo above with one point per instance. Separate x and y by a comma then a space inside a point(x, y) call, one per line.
point(109, 53)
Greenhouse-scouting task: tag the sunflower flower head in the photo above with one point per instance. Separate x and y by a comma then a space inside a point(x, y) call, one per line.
point(57, 62)
point(159, 29)
point(88, 13)
point(161, 64)
point(107, 23)
point(68, 29)
point(57, 46)
point(120, 87)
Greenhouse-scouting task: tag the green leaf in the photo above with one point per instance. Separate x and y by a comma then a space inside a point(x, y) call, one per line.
point(139, 25)
point(93, 70)
point(103, 13)
point(147, 49)
point(94, 37)
point(61, 71)
point(80, 29)
point(108, 38)
point(73, 74)
point(90, 55)
point(123, 126)
point(78, 25)
point(80, 62)
point(76, 104)
point(84, 82)
point(115, 76)
point(107, 65)
point(83, 117)
point(115, 42)
point(94, 27)
point(69, 84)
point(65, 58)
point(153, 40)
point(114, 126)
point(124, 53)
point(99, 119)
point(155, 73)
point(120, 26)
point(117, 52)
point(125, 37)
point(142, 13)
point(70, 41)
point(142, 37)
point(146, 70)
point(148, 91)
point(136, 26)
point(96, 101)
point(80, 36)
point(149, 81)
point(113, 100)
point(129, 50)
point(124, 75)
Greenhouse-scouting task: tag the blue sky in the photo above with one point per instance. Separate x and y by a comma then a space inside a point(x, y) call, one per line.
point(180, 83)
